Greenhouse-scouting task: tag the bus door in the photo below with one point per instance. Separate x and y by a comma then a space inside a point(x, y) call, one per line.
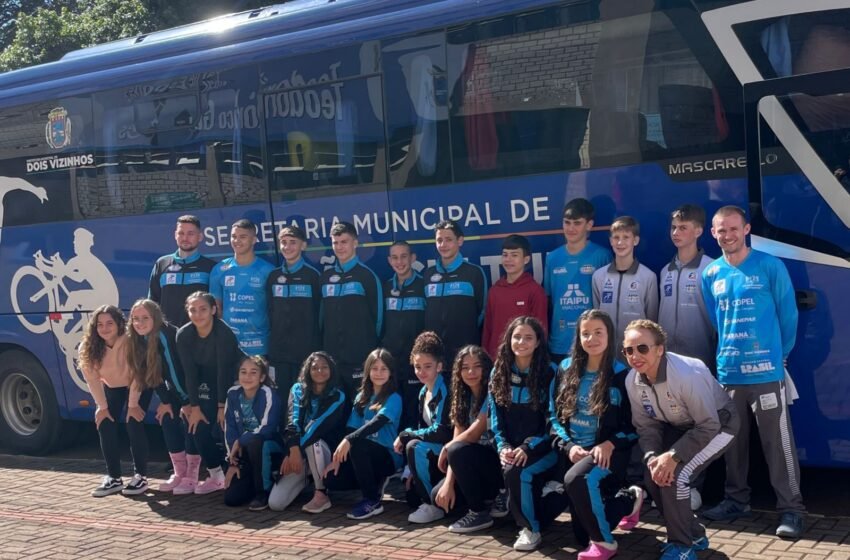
point(798, 147)
point(793, 59)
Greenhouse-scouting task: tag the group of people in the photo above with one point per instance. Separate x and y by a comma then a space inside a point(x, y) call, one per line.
point(521, 399)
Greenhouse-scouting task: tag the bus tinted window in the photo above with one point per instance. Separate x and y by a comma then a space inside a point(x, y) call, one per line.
point(174, 145)
point(417, 112)
point(519, 88)
point(45, 155)
point(323, 132)
point(799, 43)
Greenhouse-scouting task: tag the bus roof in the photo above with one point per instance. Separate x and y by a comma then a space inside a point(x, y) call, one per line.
point(213, 33)
point(191, 52)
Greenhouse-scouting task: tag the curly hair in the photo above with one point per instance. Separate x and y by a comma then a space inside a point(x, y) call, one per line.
point(500, 381)
point(143, 357)
point(464, 403)
point(367, 388)
point(306, 380)
point(92, 347)
point(567, 400)
point(429, 343)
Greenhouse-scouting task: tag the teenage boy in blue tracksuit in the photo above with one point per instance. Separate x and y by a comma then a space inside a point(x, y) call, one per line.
point(352, 310)
point(455, 292)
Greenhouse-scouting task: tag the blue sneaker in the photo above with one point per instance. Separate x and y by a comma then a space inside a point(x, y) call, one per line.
point(675, 551)
point(701, 544)
point(727, 510)
point(790, 525)
point(365, 509)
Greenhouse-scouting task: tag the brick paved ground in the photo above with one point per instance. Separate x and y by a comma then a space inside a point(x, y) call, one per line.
point(46, 512)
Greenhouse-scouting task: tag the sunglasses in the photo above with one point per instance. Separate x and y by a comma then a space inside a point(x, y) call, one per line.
point(641, 348)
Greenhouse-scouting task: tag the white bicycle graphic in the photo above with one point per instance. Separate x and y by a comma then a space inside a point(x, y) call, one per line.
point(42, 287)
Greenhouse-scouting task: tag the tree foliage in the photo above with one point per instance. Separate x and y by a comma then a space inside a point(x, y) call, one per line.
point(38, 31)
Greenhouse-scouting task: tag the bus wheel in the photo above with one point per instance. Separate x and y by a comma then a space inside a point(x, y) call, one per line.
point(29, 414)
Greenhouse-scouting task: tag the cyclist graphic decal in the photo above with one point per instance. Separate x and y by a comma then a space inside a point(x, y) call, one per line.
point(43, 284)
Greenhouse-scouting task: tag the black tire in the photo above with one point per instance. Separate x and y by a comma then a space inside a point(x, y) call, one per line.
point(29, 414)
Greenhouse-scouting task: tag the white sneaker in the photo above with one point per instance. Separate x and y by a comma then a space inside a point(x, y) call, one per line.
point(426, 514)
point(552, 486)
point(696, 499)
point(527, 541)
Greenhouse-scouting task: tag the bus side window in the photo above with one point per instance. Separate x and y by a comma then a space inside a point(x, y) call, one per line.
point(417, 116)
point(324, 134)
point(45, 154)
point(519, 92)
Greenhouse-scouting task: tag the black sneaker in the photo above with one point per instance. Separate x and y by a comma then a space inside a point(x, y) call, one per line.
point(501, 505)
point(259, 503)
point(137, 485)
point(108, 486)
point(471, 522)
point(790, 525)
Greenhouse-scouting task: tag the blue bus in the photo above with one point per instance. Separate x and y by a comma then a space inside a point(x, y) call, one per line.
point(395, 114)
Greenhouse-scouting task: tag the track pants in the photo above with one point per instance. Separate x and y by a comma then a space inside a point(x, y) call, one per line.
point(477, 472)
point(422, 459)
point(252, 481)
point(285, 376)
point(108, 432)
point(315, 458)
point(765, 401)
point(597, 502)
point(206, 436)
point(525, 486)
point(175, 432)
point(674, 501)
point(368, 464)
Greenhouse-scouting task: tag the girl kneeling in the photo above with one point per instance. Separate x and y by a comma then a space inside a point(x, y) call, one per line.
point(519, 389)
point(251, 418)
point(592, 427)
point(470, 460)
point(365, 457)
point(422, 445)
point(317, 414)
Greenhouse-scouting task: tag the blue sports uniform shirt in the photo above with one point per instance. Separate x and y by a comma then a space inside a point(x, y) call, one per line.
point(754, 310)
point(567, 282)
point(385, 436)
point(242, 292)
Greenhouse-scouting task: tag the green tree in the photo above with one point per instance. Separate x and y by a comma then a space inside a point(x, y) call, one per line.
point(38, 31)
point(48, 33)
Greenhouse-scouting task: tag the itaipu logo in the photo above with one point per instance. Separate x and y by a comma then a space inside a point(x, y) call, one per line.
point(58, 129)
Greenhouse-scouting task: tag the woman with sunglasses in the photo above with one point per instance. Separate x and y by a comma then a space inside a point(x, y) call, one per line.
point(684, 420)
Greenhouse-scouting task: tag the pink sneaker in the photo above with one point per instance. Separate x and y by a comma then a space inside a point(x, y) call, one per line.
point(630, 521)
point(598, 551)
point(178, 460)
point(186, 486)
point(318, 504)
point(214, 483)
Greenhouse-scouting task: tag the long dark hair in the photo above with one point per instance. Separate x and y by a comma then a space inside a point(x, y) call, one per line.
point(567, 400)
point(306, 380)
point(464, 402)
point(500, 382)
point(92, 347)
point(367, 388)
